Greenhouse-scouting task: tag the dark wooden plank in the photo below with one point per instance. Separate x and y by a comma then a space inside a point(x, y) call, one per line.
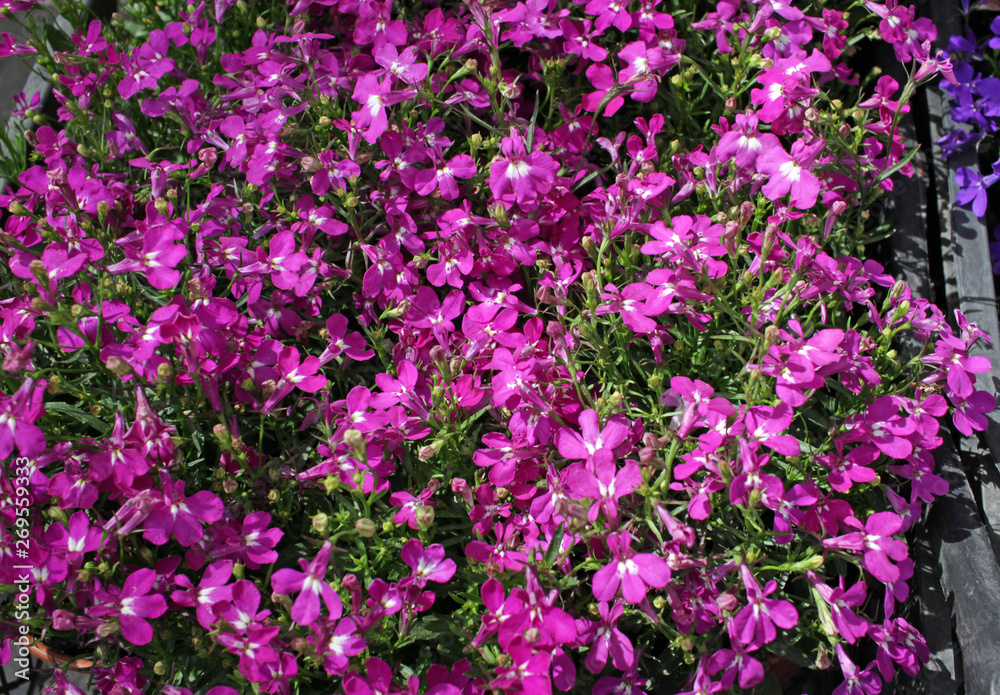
point(970, 576)
point(908, 257)
point(965, 248)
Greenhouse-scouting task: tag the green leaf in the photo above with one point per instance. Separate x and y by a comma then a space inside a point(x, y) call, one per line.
point(556, 545)
point(768, 686)
point(58, 408)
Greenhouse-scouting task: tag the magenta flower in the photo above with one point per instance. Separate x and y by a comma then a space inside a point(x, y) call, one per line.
point(899, 643)
point(856, 681)
point(529, 670)
point(132, 605)
point(311, 585)
point(970, 412)
point(254, 648)
point(158, 259)
point(403, 66)
point(847, 623)
point(179, 515)
point(213, 588)
point(444, 177)
point(606, 90)
point(592, 443)
point(736, 664)
point(281, 261)
point(606, 640)
point(74, 541)
point(374, 96)
point(17, 420)
point(337, 644)
point(756, 624)
point(428, 565)
point(635, 573)
point(253, 545)
point(790, 173)
point(520, 176)
point(876, 542)
point(242, 611)
point(605, 485)
point(632, 305)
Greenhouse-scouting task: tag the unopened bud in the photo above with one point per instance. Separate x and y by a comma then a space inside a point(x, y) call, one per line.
point(461, 488)
point(321, 523)
point(164, 371)
point(499, 214)
point(118, 366)
point(365, 527)
point(770, 336)
point(431, 450)
point(354, 439)
point(424, 516)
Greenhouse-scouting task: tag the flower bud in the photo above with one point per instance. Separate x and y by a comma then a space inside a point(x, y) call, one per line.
point(726, 472)
point(117, 365)
point(647, 454)
point(727, 601)
point(424, 516)
point(897, 289)
point(107, 629)
point(499, 214)
point(460, 487)
point(354, 439)
point(229, 486)
point(321, 523)
point(770, 336)
point(431, 450)
point(221, 433)
point(365, 527)
point(274, 495)
point(823, 658)
point(164, 371)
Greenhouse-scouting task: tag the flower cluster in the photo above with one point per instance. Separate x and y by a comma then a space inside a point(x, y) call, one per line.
point(974, 92)
point(479, 348)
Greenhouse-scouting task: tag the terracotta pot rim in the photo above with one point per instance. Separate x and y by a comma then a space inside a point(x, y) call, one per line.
point(42, 651)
